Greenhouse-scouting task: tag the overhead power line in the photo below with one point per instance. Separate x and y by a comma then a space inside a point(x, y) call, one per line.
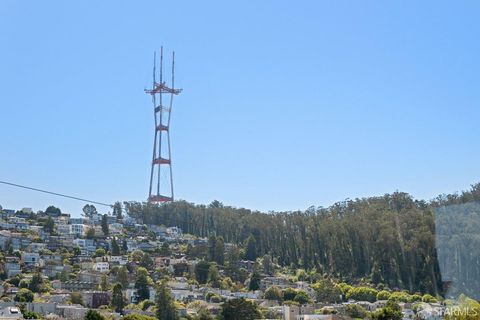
point(55, 194)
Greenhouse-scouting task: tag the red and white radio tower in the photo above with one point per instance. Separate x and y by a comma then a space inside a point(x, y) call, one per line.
point(161, 179)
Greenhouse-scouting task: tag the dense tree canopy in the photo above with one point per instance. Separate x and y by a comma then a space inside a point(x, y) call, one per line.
point(115, 249)
point(201, 271)
point(142, 283)
point(273, 293)
point(89, 210)
point(24, 295)
point(37, 283)
point(117, 210)
point(122, 277)
point(118, 302)
point(240, 309)
point(165, 303)
point(327, 291)
point(52, 210)
point(49, 225)
point(104, 224)
point(362, 294)
point(388, 239)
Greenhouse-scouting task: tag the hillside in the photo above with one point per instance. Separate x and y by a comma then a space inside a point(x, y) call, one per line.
point(388, 240)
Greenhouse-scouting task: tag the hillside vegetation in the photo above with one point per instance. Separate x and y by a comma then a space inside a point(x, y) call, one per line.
point(389, 239)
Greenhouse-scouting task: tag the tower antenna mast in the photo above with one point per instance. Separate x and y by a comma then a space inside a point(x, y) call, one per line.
point(162, 155)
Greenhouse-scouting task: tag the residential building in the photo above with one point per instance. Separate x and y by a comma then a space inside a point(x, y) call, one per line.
point(10, 313)
point(72, 312)
point(74, 285)
point(78, 230)
point(280, 282)
point(95, 299)
point(30, 258)
point(77, 221)
point(63, 229)
point(121, 260)
point(89, 276)
point(12, 266)
point(101, 267)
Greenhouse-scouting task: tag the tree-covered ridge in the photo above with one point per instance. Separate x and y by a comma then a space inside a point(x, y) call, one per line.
point(388, 239)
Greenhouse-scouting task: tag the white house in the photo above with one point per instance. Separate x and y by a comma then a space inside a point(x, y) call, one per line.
point(63, 229)
point(132, 297)
point(77, 229)
point(121, 260)
point(101, 266)
point(115, 228)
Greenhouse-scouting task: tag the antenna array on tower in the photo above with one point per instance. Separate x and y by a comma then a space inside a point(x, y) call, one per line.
point(161, 178)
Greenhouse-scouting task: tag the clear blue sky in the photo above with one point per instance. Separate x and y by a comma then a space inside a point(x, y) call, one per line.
point(285, 104)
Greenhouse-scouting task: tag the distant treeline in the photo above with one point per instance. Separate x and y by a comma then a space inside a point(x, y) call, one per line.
point(388, 239)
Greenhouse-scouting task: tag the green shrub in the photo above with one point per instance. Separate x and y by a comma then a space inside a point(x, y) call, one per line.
point(289, 294)
point(399, 296)
point(31, 315)
point(391, 311)
point(273, 293)
point(145, 304)
point(302, 297)
point(415, 298)
point(356, 311)
point(24, 295)
point(362, 294)
point(344, 287)
point(327, 291)
point(383, 295)
point(429, 298)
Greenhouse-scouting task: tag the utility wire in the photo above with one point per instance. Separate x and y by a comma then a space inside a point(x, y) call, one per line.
point(56, 194)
